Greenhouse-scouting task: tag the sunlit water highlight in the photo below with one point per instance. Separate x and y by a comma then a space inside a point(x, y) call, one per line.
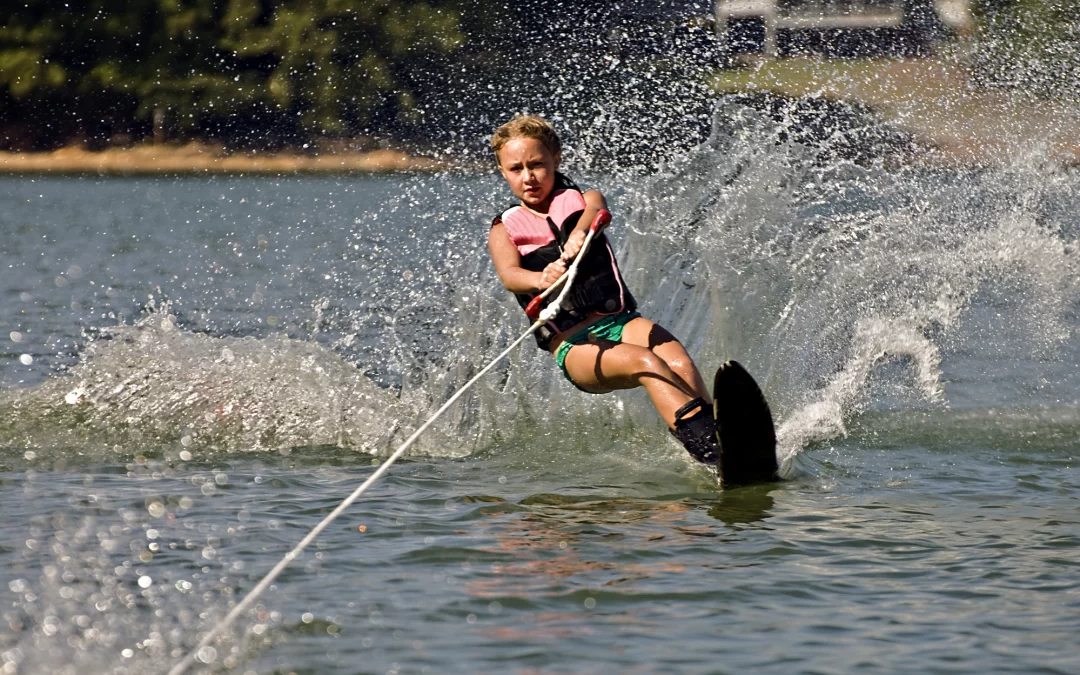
point(197, 370)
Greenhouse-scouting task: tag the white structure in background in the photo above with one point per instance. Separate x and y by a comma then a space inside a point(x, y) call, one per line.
point(795, 15)
point(956, 14)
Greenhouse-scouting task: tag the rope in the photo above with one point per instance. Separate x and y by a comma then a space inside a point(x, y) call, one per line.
point(548, 313)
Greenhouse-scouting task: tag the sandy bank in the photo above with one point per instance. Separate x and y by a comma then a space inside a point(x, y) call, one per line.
point(954, 122)
point(195, 158)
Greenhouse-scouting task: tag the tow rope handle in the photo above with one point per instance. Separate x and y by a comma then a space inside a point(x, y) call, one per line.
point(602, 219)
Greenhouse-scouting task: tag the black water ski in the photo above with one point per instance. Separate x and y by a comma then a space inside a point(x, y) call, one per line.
point(744, 428)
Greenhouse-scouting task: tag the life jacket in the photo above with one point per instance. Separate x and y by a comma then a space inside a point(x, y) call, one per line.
point(598, 287)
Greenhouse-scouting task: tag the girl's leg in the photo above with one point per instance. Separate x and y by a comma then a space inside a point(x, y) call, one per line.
point(657, 339)
point(693, 425)
point(600, 367)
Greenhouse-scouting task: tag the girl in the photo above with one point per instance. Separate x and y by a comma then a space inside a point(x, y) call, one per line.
point(598, 338)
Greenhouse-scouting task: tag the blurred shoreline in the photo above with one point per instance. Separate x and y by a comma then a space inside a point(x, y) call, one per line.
point(198, 158)
point(932, 110)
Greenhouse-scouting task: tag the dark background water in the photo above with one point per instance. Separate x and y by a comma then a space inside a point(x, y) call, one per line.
point(205, 366)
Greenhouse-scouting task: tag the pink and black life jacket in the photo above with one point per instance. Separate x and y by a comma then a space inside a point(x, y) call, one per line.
point(599, 286)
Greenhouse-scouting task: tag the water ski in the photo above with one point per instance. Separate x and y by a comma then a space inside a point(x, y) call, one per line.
point(744, 428)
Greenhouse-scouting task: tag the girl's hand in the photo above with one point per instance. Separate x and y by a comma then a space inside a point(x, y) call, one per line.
point(551, 274)
point(573, 244)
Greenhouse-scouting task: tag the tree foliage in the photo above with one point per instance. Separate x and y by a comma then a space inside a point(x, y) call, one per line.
point(277, 72)
point(318, 67)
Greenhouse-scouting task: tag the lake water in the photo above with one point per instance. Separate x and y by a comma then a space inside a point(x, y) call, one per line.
point(196, 370)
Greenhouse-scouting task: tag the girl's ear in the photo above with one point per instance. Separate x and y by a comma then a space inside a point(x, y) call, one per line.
point(558, 158)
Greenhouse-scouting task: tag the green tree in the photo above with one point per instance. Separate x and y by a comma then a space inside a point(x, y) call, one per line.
point(324, 64)
point(334, 60)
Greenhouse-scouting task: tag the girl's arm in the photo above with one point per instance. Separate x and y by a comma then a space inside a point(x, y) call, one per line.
point(507, 261)
point(594, 202)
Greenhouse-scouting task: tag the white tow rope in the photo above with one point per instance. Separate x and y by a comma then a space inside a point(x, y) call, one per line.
point(566, 280)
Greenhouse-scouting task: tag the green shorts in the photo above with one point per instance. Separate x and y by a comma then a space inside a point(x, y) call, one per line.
point(608, 328)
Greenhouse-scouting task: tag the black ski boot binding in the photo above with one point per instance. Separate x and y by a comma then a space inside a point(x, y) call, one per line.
point(697, 433)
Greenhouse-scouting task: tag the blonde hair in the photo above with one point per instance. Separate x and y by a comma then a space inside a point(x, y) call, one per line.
point(526, 126)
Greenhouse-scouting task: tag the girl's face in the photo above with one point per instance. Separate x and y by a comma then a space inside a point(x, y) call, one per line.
point(529, 168)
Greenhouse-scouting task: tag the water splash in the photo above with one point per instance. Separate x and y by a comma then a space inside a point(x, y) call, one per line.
point(759, 244)
point(152, 385)
point(814, 273)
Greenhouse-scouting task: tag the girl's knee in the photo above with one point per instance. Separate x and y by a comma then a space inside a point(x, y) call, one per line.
point(676, 357)
point(649, 362)
point(680, 363)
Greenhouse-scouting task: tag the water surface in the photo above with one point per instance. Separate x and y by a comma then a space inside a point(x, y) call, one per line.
point(196, 370)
